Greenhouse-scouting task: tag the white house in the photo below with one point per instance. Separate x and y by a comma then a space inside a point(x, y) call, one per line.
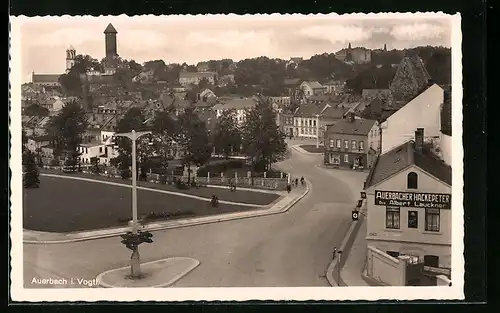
point(239, 105)
point(422, 112)
point(312, 88)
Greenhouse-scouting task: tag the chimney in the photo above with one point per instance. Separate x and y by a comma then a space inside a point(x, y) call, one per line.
point(419, 139)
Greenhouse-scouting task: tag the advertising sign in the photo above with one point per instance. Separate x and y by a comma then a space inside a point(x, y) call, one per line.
point(413, 199)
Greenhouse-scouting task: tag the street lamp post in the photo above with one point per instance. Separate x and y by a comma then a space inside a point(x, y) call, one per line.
point(135, 263)
point(317, 131)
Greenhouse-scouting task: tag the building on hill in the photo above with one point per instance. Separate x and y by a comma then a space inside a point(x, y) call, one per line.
point(207, 94)
point(408, 194)
point(335, 87)
point(294, 62)
point(187, 78)
point(46, 80)
point(70, 58)
point(202, 67)
point(358, 55)
point(350, 143)
point(312, 88)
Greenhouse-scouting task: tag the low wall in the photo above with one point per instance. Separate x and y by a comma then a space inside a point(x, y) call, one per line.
point(384, 268)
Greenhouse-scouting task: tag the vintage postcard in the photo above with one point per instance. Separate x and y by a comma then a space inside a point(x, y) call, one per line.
point(227, 157)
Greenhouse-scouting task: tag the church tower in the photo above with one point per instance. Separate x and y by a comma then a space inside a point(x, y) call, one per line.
point(70, 58)
point(385, 47)
point(110, 41)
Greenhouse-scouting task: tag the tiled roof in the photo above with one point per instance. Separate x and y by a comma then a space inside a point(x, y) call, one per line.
point(404, 156)
point(325, 110)
point(375, 92)
point(45, 78)
point(356, 127)
point(236, 104)
point(315, 85)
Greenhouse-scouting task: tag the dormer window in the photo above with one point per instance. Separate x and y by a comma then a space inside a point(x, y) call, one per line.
point(412, 180)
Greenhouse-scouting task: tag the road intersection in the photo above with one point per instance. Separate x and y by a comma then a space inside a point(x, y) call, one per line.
point(285, 250)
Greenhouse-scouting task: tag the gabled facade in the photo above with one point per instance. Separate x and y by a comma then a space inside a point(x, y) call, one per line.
point(423, 111)
point(409, 200)
point(312, 88)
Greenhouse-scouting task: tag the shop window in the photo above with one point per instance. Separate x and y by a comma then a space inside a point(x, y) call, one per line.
point(412, 219)
point(335, 159)
point(392, 217)
point(346, 158)
point(412, 180)
point(432, 220)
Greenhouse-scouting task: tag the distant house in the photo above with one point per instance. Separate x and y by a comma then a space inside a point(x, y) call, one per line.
point(45, 79)
point(294, 62)
point(207, 94)
point(349, 143)
point(187, 78)
point(225, 80)
point(53, 105)
point(203, 67)
point(239, 105)
point(312, 88)
point(358, 55)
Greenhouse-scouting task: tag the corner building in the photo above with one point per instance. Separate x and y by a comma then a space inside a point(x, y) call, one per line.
point(409, 201)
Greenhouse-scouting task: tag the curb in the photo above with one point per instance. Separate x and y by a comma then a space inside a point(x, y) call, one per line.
point(113, 232)
point(166, 284)
point(303, 151)
point(347, 242)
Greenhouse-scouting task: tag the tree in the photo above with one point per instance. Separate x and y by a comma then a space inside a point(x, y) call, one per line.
point(193, 137)
point(164, 134)
point(263, 141)
point(24, 138)
point(94, 161)
point(31, 179)
point(132, 120)
point(71, 82)
point(66, 130)
point(227, 137)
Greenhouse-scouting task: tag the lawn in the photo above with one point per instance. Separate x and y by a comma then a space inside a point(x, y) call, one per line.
point(67, 205)
point(241, 196)
point(313, 149)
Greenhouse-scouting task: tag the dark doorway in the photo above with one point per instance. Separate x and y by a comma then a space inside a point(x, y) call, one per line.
point(394, 254)
point(431, 260)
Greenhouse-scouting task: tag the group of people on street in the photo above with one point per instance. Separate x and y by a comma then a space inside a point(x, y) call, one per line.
point(296, 181)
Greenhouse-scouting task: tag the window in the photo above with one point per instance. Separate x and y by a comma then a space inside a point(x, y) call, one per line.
point(346, 158)
point(361, 145)
point(392, 217)
point(432, 220)
point(331, 143)
point(334, 159)
point(346, 144)
point(86, 150)
point(412, 219)
point(354, 144)
point(314, 123)
point(339, 143)
point(394, 254)
point(431, 260)
point(412, 180)
point(100, 149)
point(314, 131)
point(310, 123)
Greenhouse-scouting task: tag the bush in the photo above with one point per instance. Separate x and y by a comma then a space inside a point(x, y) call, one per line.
point(220, 166)
point(31, 179)
point(151, 216)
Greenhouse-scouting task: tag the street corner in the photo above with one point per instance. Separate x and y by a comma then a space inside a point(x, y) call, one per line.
point(156, 274)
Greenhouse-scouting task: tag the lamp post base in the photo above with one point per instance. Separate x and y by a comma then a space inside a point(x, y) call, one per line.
point(135, 264)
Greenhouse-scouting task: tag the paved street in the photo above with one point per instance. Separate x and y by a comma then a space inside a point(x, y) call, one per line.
point(284, 250)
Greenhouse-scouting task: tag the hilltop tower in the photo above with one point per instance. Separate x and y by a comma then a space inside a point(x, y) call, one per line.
point(110, 41)
point(70, 58)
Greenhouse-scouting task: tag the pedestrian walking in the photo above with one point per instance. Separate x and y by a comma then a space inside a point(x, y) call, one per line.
point(302, 180)
point(296, 181)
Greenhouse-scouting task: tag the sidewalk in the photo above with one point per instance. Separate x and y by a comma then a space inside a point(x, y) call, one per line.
point(352, 270)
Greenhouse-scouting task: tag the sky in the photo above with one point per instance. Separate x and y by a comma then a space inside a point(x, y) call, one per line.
point(190, 39)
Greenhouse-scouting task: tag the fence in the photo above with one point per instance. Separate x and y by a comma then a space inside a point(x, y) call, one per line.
point(385, 268)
